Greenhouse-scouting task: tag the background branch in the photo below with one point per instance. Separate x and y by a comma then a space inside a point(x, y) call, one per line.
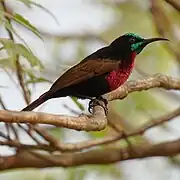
point(25, 159)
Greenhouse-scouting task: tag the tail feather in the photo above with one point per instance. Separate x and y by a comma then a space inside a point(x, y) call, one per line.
point(37, 102)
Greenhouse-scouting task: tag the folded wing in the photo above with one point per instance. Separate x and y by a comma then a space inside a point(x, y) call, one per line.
point(83, 71)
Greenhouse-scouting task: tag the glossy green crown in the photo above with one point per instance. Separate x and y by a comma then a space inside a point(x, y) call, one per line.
point(133, 35)
point(137, 45)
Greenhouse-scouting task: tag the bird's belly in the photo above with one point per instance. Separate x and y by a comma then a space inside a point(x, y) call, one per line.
point(93, 87)
point(117, 78)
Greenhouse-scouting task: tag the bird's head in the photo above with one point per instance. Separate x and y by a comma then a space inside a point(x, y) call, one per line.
point(130, 42)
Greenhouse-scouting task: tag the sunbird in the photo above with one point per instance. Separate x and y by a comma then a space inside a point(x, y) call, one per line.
point(99, 73)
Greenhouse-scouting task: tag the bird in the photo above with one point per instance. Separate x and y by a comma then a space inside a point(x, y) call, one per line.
point(99, 73)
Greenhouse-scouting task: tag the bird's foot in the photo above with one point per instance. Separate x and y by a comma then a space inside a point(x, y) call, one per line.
point(98, 102)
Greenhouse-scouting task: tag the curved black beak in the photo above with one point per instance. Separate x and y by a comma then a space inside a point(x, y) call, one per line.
point(147, 41)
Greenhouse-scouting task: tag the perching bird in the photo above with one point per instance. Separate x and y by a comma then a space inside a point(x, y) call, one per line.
point(99, 73)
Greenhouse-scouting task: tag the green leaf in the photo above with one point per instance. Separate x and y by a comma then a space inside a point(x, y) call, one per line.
point(6, 62)
point(99, 134)
point(19, 49)
point(1, 48)
point(1, 15)
point(28, 3)
point(80, 106)
point(33, 79)
point(38, 80)
point(24, 22)
point(58, 133)
point(11, 28)
point(8, 45)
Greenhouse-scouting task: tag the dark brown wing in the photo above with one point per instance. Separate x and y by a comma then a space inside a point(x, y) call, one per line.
point(83, 71)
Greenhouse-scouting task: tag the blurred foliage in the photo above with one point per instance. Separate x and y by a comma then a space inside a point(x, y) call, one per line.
point(136, 109)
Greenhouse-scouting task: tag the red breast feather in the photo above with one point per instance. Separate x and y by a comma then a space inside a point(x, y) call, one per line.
point(118, 77)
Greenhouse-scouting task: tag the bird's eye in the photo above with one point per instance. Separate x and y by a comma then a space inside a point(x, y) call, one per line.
point(132, 40)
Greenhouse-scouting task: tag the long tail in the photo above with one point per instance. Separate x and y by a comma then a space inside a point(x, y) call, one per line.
point(44, 97)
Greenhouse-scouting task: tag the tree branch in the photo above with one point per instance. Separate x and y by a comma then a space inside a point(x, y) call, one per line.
point(164, 25)
point(111, 155)
point(174, 3)
point(95, 122)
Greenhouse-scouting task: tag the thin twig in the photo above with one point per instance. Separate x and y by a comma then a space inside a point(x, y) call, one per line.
point(155, 122)
point(29, 133)
point(24, 88)
point(43, 133)
point(174, 3)
point(9, 126)
point(2, 103)
point(43, 157)
point(3, 135)
point(16, 144)
point(164, 26)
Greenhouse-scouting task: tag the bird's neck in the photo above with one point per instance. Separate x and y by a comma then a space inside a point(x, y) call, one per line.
point(117, 77)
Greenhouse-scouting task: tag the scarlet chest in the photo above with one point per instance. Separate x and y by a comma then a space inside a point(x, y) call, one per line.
point(117, 77)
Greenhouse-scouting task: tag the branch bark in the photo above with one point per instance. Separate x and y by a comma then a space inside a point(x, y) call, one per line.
point(97, 121)
point(25, 159)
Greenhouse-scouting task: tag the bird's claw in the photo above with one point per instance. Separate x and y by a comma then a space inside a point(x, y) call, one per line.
point(98, 102)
